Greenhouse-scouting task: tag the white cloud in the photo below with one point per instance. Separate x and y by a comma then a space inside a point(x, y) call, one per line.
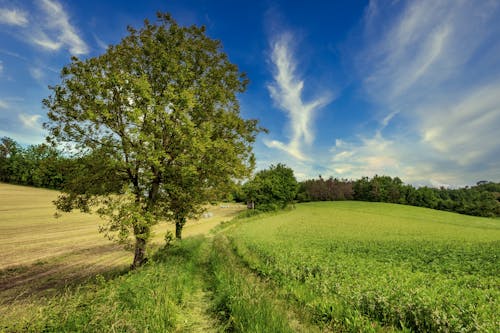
point(466, 130)
point(30, 122)
point(1, 67)
point(22, 127)
point(41, 39)
point(100, 43)
point(57, 30)
point(49, 29)
point(371, 156)
point(3, 104)
point(286, 92)
point(36, 73)
point(14, 17)
point(435, 66)
point(302, 169)
point(406, 158)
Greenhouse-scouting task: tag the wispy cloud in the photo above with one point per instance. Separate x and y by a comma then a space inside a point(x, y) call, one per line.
point(404, 157)
point(1, 67)
point(302, 169)
point(41, 39)
point(36, 73)
point(57, 30)
point(16, 123)
point(24, 128)
point(286, 92)
point(31, 121)
point(372, 156)
point(100, 43)
point(14, 17)
point(433, 66)
point(13, 54)
point(49, 28)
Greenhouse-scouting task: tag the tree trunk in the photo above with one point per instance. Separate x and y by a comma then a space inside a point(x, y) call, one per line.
point(140, 257)
point(179, 223)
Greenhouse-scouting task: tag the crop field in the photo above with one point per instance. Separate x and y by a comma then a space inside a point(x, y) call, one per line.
point(368, 266)
point(41, 254)
point(321, 267)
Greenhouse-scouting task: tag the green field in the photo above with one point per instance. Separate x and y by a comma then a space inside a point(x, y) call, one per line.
point(358, 266)
point(331, 266)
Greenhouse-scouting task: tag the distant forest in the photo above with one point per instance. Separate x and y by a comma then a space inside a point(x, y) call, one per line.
point(483, 199)
point(44, 166)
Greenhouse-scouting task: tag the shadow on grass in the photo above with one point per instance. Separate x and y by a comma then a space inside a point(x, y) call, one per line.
point(46, 278)
point(50, 277)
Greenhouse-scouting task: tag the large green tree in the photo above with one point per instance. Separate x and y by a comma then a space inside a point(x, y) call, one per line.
point(271, 189)
point(156, 120)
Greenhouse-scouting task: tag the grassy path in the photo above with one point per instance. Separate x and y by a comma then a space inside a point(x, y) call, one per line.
point(227, 296)
point(197, 314)
point(197, 285)
point(247, 302)
point(197, 317)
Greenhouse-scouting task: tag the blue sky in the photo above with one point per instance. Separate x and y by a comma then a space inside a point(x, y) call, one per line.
point(346, 88)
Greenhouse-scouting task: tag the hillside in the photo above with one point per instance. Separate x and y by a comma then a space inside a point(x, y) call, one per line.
point(331, 266)
point(356, 265)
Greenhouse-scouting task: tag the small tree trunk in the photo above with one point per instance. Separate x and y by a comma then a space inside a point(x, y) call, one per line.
point(179, 224)
point(140, 257)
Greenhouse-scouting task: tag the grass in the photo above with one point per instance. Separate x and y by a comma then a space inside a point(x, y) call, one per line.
point(155, 298)
point(331, 266)
point(370, 266)
point(244, 302)
point(197, 285)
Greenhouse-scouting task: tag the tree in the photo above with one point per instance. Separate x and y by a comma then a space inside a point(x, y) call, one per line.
point(156, 120)
point(272, 188)
point(9, 153)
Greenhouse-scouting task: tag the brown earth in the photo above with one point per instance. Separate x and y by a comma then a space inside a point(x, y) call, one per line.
point(41, 255)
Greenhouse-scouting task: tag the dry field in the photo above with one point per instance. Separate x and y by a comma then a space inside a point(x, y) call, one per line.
point(41, 254)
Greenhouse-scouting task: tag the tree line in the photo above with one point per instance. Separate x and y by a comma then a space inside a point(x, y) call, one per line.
point(483, 199)
point(276, 188)
point(271, 189)
point(35, 165)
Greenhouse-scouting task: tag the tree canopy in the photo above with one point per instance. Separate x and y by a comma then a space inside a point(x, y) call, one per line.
point(155, 119)
point(271, 189)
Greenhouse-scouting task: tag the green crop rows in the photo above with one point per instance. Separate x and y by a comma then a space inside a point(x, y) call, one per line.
point(377, 267)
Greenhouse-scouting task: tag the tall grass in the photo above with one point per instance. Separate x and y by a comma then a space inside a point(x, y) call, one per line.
point(241, 303)
point(369, 266)
point(160, 297)
point(151, 299)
